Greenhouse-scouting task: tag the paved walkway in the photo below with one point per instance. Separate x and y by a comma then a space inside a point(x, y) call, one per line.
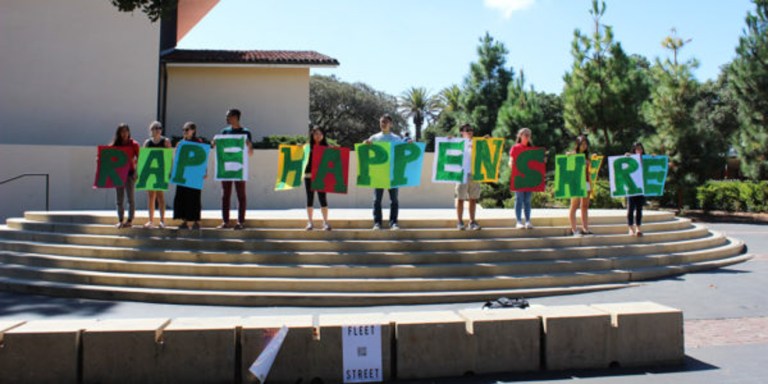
point(726, 314)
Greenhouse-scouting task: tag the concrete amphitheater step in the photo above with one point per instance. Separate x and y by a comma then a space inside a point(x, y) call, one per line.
point(389, 270)
point(424, 218)
point(364, 258)
point(394, 245)
point(342, 234)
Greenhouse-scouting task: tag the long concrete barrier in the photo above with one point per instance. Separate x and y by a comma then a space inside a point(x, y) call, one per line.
point(405, 345)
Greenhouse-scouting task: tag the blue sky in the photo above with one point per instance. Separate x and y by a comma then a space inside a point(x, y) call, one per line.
point(395, 44)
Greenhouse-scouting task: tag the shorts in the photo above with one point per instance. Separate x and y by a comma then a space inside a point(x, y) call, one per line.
point(468, 191)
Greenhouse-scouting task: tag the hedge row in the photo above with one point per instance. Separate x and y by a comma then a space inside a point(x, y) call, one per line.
point(733, 196)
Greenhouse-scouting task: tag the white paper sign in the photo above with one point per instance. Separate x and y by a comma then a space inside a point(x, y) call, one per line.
point(454, 164)
point(362, 353)
point(235, 159)
point(260, 368)
point(621, 188)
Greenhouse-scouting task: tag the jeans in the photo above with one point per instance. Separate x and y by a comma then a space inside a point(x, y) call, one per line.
point(226, 196)
point(523, 200)
point(120, 199)
point(378, 194)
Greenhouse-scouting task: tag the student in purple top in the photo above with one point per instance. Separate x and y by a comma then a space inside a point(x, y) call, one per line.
point(156, 140)
point(234, 128)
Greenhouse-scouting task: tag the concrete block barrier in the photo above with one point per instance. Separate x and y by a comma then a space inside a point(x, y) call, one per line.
point(645, 334)
point(575, 337)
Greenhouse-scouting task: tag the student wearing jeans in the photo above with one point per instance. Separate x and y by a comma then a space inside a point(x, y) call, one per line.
point(522, 199)
point(385, 124)
point(234, 128)
point(123, 139)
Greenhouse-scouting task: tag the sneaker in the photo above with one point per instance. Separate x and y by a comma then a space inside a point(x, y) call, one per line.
point(528, 225)
point(309, 226)
point(161, 225)
point(377, 227)
point(223, 226)
point(183, 225)
point(148, 224)
point(119, 225)
point(394, 227)
point(127, 224)
point(575, 233)
point(474, 226)
point(326, 227)
point(460, 226)
point(238, 227)
point(519, 226)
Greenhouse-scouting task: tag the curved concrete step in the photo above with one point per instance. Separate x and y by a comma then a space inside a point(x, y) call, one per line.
point(414, 258)
point(427, 219)
point(352, 245)
point(464, 269)
point(342, 234)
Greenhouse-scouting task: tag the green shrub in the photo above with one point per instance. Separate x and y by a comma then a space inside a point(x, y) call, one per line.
point(602, 196)
point(733, 196)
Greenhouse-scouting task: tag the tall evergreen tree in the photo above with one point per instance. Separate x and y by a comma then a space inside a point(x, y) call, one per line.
point(485, 88)
point(748, 76)
point(605, 89)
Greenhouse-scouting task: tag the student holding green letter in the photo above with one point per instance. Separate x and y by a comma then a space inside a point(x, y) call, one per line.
point(234, 128)
point(582, 147)
point(635, 203)
point(123, 139)
point(469, 190)
point(187, 204)
point(522, 198)
point(156, 140)
point(386, 135)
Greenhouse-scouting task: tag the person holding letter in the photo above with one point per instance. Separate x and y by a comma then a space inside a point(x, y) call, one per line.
point(316, 137)
point(582, 146)
point(385, 123)
point(156, 140)
point(123, 139)
point(635, 203)
point(187, 204)
point(469, 190)
point(234, 128)
point(522, 199)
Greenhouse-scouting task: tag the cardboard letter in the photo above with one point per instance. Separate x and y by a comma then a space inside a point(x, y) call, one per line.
point(374, 165)
point(330, 169)
point(154, 169)
point(112, 165)
point(190, 164)
point(570, 176)
point(448, 166)
point(486, 159)
point(655, 174)
point(626, 175)
point(407, 164)
point(292, 160)
point(231, 159)
point(528, 170)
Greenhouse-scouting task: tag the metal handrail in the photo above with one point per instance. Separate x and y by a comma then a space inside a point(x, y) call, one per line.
point(47, 189)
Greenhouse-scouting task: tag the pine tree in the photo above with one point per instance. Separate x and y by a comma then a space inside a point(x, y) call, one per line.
point(748, 76)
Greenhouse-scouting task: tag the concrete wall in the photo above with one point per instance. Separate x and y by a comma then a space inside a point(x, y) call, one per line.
point(72, 170)
point(72, 70)
point(274, 101)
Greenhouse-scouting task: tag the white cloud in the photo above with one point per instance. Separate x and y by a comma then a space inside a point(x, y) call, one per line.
point(508, 7)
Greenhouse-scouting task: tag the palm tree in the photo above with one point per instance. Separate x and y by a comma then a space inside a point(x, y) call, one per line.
point(418, 104)
point(449, 99)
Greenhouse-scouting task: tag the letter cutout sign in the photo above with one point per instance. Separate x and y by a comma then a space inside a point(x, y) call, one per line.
point(292, 160)
point(655, 170)
point(626, 175)
point(486, 159)
point(154, 169)
point(112, 165)
point(231, 157)
point(570, 176)
point(190, 164)
point(330, 169)
point(528, 170)
point(448, 166)
point(595, 162)
point(389, 165)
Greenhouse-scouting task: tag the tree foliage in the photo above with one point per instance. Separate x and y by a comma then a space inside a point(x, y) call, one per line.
point(748, 77)
point(450, 116)
point(349, 113)
point(605, 88)
point(154, 9)
point(485, 88)
point(416, 103)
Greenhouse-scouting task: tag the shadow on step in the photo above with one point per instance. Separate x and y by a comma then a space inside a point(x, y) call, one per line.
point(16, 304)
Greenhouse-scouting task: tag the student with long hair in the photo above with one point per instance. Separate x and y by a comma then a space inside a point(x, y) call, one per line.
point(522, 199)
point(123, 140)
point(156, 140)
point(635, 203)
point(187, 204)
point(582, 147)
point(316, 137)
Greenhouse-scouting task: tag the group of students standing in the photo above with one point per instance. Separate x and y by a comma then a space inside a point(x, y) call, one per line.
point(187, 204)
